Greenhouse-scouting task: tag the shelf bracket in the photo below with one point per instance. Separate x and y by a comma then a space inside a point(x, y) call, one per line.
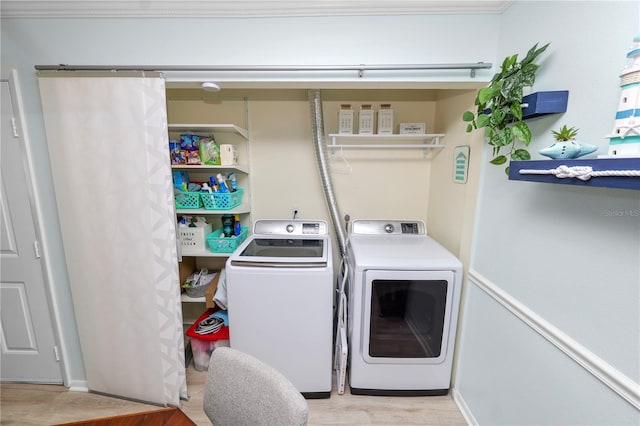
point(427, 151)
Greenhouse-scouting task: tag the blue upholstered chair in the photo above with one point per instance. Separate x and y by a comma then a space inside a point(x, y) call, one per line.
point(242, 390)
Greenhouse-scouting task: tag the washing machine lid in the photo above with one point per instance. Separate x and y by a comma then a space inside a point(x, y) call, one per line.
point(285, 243)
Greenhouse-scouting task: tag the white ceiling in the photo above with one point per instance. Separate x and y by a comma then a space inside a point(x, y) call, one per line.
point(240, 8)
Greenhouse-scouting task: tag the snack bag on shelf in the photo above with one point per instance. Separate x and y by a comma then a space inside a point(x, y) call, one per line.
point(189, 142)
point(193, 158)
point(209, 152)
point(177, 154)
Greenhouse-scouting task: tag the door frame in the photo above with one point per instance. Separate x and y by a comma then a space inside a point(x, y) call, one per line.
point(11, 76)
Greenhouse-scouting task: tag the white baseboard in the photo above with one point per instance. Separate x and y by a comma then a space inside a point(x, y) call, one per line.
point(78, 386)
point(602, 370)
point(463, 407)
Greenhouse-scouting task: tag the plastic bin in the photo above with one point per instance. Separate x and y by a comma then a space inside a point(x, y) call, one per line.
point(221, 244)
point(203, 345)
point(188, 200)
point(222, 200)
point(201, 289)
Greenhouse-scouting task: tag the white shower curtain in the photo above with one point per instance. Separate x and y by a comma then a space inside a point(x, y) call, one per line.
point(108, 147)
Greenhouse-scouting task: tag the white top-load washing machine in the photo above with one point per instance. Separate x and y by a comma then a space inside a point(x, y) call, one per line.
point(280, 301)
point(403, 299)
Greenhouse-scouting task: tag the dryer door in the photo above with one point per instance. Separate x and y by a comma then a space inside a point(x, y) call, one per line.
point(406, 316)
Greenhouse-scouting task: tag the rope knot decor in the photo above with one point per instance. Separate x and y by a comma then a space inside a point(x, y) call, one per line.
point(580, 172)
point(583, 173)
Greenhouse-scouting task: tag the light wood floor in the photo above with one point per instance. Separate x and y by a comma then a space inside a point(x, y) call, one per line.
point(26, 404)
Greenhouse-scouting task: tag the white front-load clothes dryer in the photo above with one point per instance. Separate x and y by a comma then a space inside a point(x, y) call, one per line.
point(280, 301)
point(403, 299)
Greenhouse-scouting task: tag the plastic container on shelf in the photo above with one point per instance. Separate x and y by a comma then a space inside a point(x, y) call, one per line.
point(218, 243)
point(188, 200)
point(221, 200)
point(200, 282)
point(194, 240)
point(197, 291)
point(203, 345)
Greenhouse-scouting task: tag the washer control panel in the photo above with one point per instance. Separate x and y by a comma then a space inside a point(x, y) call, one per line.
point(388, 227)
point(290, 227)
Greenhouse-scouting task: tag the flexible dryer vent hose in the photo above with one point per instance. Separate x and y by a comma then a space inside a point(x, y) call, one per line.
point(317, 128)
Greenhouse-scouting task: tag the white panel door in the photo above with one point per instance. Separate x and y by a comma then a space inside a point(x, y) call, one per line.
point(27, 336)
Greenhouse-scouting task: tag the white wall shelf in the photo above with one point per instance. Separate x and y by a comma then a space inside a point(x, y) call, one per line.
point(199, 171)
point(411, 141)
point(185, 298)
point(204, 167)
point(205, 253)
point(209, 129)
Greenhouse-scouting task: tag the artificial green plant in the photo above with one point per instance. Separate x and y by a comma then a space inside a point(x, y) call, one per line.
point(499, 107)
point(565, 133)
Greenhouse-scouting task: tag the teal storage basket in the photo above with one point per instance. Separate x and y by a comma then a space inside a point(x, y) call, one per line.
point(220, 244)
point(188, 200)
point(221, 200)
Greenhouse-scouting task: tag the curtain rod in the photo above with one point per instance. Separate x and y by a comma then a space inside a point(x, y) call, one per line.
point(360, 68)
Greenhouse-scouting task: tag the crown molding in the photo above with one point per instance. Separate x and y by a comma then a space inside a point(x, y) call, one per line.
point(239, 8)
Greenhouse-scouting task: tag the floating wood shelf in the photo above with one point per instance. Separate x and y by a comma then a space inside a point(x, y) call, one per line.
point(543, 103)
point(541, 171)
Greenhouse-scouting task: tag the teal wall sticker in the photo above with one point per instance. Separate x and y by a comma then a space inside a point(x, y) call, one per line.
point(460, 163)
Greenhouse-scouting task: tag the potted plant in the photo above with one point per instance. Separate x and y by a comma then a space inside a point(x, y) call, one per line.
point(565, 133)
point(566, 145)
point(499, 107)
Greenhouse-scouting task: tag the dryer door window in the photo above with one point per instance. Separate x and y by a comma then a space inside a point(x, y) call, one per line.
point(407, 316)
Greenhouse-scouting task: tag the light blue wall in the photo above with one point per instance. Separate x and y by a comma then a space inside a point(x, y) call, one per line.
point(503, 367)
point(569, 254)
point(274, 41)
point(509, 375)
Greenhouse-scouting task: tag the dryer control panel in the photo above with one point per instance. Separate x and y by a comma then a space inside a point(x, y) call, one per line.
point(410, 228)
point(388, 227)
point(290, 227)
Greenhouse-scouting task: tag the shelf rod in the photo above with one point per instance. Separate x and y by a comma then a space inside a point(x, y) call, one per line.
point(262, 68)
point(385, 136)
point(421, 146)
